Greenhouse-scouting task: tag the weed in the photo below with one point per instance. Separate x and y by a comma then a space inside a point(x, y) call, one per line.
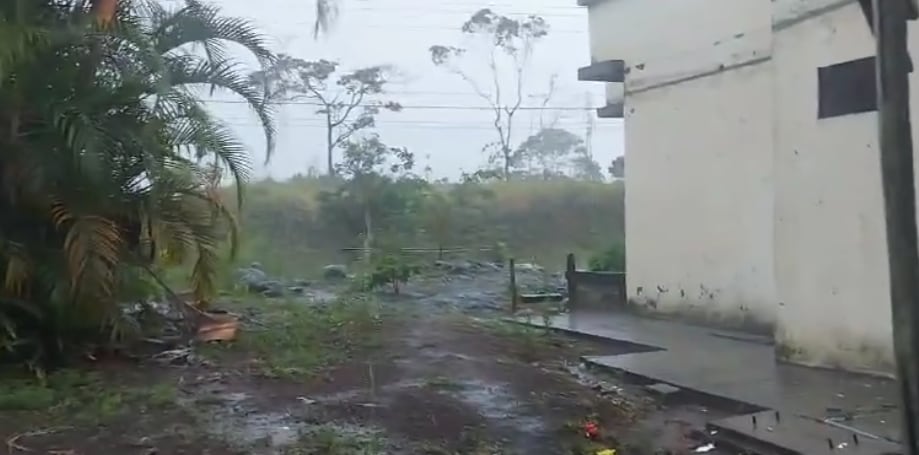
point(329, 440)
point(297, 339)
point(79, 395)
point(443, 383)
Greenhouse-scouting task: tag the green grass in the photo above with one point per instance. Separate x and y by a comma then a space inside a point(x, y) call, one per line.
point(81, 396)
point(329, 440)
point(531, 340)
point(293, 339)
point(443, 383)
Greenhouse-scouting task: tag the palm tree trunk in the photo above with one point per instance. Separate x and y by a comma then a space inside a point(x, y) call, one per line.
point(329, 146)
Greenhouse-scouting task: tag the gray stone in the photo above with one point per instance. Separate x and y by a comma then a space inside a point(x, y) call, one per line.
point(270, 289)
point(662, 389)
point(335, 272)
point(527, 267)
point(297, 290)
point(251, 277)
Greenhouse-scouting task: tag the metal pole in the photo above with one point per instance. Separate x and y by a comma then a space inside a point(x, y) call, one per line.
point(513, 285)
point(890, 26)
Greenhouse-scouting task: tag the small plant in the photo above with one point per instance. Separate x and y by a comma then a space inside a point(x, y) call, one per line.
point(393, 270)
point(611, 259)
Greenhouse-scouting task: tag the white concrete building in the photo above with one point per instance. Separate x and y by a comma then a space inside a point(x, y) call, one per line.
point(753, 191)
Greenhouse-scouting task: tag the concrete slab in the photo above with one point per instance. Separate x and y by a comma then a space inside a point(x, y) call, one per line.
point(771, 432)
point(663, 389)
point(739, 368)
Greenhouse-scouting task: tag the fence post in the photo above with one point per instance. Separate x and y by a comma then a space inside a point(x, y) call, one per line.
point(513, 272)
point(570, 268)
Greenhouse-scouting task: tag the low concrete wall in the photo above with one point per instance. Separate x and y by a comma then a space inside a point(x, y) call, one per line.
point(596, 289)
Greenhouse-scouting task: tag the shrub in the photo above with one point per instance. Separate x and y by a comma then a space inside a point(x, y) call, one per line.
point(611, 259)
point(392, 269)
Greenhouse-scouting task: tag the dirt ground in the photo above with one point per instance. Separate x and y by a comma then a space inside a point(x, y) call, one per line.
point(434, 384)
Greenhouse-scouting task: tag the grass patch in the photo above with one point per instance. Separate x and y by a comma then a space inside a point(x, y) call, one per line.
point(293, 339)
point(530, 341)
point(329, 440)
point(443, 383)
point(81, 396)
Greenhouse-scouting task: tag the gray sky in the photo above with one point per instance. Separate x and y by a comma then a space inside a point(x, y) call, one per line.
point(442, 123)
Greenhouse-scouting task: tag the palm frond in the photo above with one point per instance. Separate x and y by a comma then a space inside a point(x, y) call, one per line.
point(92, 246)
point(17, 43)
point(326, 13)
point(189, 72)
point(202, 24)
point(211, 139)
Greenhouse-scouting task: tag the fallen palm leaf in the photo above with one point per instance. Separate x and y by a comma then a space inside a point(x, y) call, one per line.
point(217, 327)
point(13, 445)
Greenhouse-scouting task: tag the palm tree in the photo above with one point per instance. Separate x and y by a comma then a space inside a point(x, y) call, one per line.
point(109, 161)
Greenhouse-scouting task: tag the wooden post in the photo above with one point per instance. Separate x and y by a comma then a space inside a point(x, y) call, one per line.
point(890, 27)
point(570, 268)
point(513, 272)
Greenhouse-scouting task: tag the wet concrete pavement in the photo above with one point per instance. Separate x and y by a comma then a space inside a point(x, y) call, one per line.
point(740, 368)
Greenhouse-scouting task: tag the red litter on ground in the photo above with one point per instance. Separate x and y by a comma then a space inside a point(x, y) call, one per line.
point(591, 430)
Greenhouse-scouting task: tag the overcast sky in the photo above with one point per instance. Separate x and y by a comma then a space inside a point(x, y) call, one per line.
point(443, 122)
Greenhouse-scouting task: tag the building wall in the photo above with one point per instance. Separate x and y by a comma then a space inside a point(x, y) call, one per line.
point(831, 264)
point(699, 202)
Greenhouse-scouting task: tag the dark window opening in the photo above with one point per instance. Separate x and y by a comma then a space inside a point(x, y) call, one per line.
point(847, 88)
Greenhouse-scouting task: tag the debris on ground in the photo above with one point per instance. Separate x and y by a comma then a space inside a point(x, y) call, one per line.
point(215, 327)
point(705, 448)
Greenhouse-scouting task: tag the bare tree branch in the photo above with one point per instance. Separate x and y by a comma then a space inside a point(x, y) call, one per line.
point(515, 38)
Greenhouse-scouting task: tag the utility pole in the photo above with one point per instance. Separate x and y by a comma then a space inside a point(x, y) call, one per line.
point(897, 177)
point(589, 134)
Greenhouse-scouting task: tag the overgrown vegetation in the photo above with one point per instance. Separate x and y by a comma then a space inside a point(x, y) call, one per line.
point(304, 223)
point(110, 162)
point(612, 259)
point(74, 396)
point(294, 340)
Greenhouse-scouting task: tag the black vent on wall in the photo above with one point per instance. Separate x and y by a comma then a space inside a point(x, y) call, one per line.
point(847, 88)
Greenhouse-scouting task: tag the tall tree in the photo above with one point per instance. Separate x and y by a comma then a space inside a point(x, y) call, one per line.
point(348, 102)
point(510, 45)
point(369, 166)
point(555, 152)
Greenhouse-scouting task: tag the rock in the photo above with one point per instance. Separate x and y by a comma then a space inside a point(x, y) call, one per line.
point(457, 267)
point(302, 283)
point(527, 267)
point(270, 289)
point(251, 277)
point(335, 272)
point(297, 290)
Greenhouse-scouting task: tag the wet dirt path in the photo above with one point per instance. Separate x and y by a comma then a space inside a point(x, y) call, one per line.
point(444, 384)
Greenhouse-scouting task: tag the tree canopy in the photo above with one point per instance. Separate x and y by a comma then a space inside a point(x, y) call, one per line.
point(110, 162)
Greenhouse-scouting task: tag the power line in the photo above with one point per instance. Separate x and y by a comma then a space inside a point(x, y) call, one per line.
point(318, 122)
point(401, 27)
point(406, 125)
point(463, 11)
point(321, 121)
point(412, 8)
point(446, 27)
point(421, 106)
